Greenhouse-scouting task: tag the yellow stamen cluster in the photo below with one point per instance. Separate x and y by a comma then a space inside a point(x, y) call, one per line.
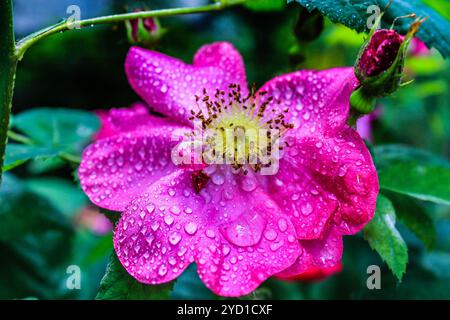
point(244, 116)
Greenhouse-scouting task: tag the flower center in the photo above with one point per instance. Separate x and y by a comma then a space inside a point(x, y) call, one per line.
point(240, 130)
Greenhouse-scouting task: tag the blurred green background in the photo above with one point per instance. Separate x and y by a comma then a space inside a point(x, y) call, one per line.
point(83, 70)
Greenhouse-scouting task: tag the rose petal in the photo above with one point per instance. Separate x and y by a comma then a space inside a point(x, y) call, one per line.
point(156, 234)
point(237, 238)
point(317, 100)
point(319, 253)
point(120, 120)
point(169, 85)
point(326, 181)
point(117, 169)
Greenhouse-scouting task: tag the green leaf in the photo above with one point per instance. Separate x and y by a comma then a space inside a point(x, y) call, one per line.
point(117, 284)
point(389, 154)
point(385, 238)
point(353, 14)
point(35, 244)
point(35, 266)
point(23, 212)
point(57, 126)
point(265, 5)
point(62, 194)
point(421, 181)
point(17, 154)
point(414, 216)
point(53, 132)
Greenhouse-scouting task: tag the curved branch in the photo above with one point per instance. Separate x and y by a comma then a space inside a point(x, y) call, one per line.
point(24, 44)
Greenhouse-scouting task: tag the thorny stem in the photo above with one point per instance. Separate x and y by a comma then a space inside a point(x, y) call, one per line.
point(8, 65)
point(24, 44)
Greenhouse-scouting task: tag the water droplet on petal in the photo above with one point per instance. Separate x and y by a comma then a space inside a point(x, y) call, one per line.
point(190, 228)
point(150, 238)
point(342, 171)
point(150, 208)
point(246, 230)
point(270, 235)
point(210, 233)
point(218, 179)
point(248, 184)
point(282, 225)
point(276, 245)
point(306, 209)
point(226, 250)
point(175, 210)
point(168, 219)
point(162, 271)
point(175, 238)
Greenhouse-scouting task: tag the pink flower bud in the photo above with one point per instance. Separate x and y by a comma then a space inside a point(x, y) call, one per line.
point(380, 52)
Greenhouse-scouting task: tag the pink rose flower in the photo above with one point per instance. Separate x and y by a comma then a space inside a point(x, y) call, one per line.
point(240, 227)
point(316, 274)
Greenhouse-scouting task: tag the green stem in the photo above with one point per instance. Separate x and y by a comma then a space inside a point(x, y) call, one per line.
point(24, 44)
point(19, 138)
point(70, 157)
point(8, 65)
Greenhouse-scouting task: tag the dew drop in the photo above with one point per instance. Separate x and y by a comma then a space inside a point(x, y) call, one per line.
point(282, 225)
point(270, 235)
point(150, 238)
point(210, 233)
point(276, 245)
point(168, 219)
point(175, 210)
point(246, 230)
point(175, 238)
point(218, 179)
point(150, 208)
point(248, 184)
point(162, 271)
point(306, 209)
point(190, 228)
point(155, 225)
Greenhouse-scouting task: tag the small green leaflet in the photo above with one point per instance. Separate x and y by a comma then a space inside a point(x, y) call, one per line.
point(424, 182)
point(52, 133)
point(411, 213)
point(17, 154)
point(117, 284)
point(384, 238)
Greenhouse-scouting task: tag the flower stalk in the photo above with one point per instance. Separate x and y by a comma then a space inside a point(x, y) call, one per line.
point(8, 65)
point(24, 44)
